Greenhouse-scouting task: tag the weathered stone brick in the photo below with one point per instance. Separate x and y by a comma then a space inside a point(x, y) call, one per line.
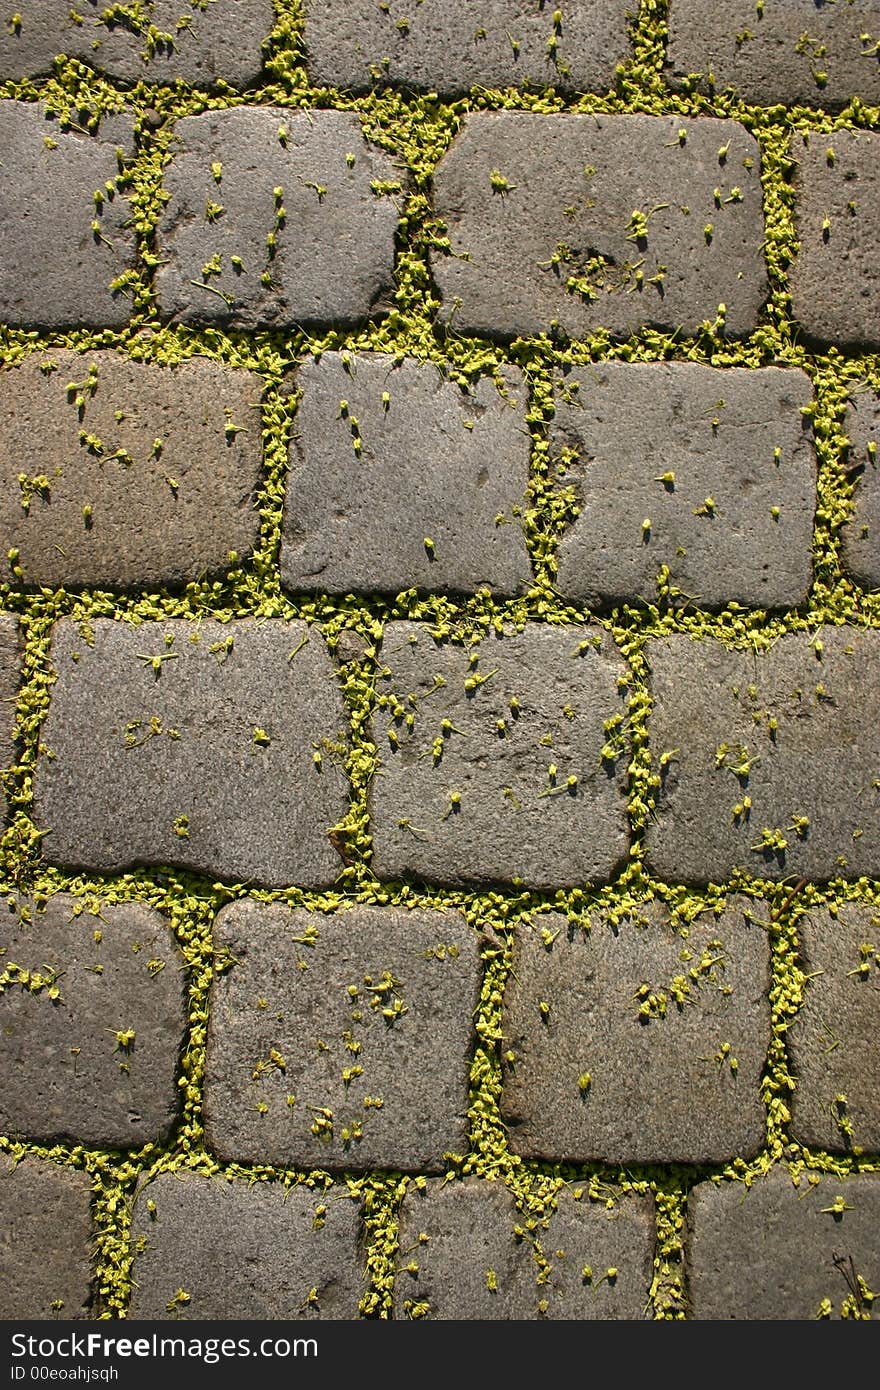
point(797, 52)
point(45, 1241)
point(244, 1250)
point(640, 1042)
point(275, 218)
point(860, 536)
point(215, 746)
point(772, 1250)
point(341, 1042)
point(400, 479)
point(773, 765)
point(448, 47)
point(124, 474)
point(96, 1063)
point(62, 252)
point(835, 278)
point(10, 674)
point(474, 1265)
point(500, 762)
point(708, 474)
point(835, 1039)
point(160, 41)
point(599, 221)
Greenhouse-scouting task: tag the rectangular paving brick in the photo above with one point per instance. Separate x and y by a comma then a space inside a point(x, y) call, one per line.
point(638, 1042)
point(218, 747)
point(860, 536)
point(467, 1253)
point(500, 762)
point(124, 474)
point(10, 676)
point(45, 1241)
point(209, 1248)
point(794, 52)
point(400, 479)
point(599, 221)
point(773, 758)
point(448, 47)
point(834, 1041)
point(63, 247)
point(835, 278)
point(707, 474)
point(340, 1042)
point(92, 1015)
point(780, 1251)
point(157, 41)
point(276, 218)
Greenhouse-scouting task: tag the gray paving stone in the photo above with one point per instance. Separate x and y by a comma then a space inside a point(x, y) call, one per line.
point(96, 1063)
point(156, 41)
point(860, 536)
point(45, 1241)
point(835, 278)
point(341, 1042)
point(769, 1251)
point(834, 1041)
point(61, 252)
point(124, 474)
point(637, 1043)
point(721, 466)
point(218, 747)
point(491, 757)
point(244, 1250)
point(599, 221)
point(775, 761)
point(10, 675)
point(400, 479)
point(448, 47)
point(276, 218)
point(461, 1257)
point(797, 52)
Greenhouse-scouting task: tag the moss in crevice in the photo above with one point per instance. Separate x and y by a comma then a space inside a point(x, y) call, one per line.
point(417, 131)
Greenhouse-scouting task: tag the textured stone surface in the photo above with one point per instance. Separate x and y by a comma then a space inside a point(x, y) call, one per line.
point(834, 1042)
point(477, 788)
point(798, 52)
point(590, 221)
point(62, 253)
point(305, 228)
point(775, 765)
point(199, 43)
point(242, 1250)
point(359, 1057)
point(448, 47)
point(835, 278)
point(10, 674)
point(769, 1251)
point(190, 783)
point(205, 759)
point(860, 537)
point(474, 1266)
point(149, 471)
point(637, 1043)
point(71, 1071)
point(45, 1241)
point(719, 463)
point(398, 478)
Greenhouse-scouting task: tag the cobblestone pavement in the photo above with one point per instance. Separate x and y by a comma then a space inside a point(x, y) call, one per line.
point(440, 517)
